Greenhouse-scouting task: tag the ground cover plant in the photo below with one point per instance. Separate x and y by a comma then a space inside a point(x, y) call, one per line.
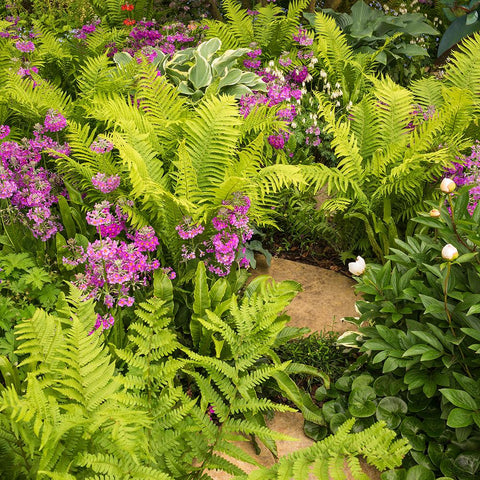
point(141, 164)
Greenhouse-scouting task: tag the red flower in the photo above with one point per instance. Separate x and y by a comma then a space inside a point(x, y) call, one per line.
point(127, 6)
point(129, 22)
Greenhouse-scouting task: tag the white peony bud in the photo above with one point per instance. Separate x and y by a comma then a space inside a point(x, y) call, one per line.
point(449, 252)
point(358, 267)
point(448, 185)
point(434, 213)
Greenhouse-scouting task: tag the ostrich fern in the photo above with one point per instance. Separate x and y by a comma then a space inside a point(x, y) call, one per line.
point(387, 168)
point(179, 162)
point(271, 28)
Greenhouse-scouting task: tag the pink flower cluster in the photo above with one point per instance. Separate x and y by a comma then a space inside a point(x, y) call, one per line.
point(54, 121)
point(104, 322)
point(31, 190)
point(253, 62)
point(226, 245)
point(25, 46)
point(105, 184)
point(302, 38)
point(112, 270)
point(101, 145)
point(4, 131)
point(168, 38)
point(279, 91)
point(109, 222)
point(27, 72)
point(86, 30)
point(145, 239)
point(278, 141)
point(188, 229)
point(467, 172)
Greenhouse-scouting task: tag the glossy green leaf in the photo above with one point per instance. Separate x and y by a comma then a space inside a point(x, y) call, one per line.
point(360, 402)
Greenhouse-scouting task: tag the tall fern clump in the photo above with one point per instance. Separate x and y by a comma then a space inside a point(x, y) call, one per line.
point(393, 146)
point(176, 162)
point(270, 28)
point(67, 412)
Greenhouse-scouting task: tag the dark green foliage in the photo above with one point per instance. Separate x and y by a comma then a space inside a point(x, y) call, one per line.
point(320, 350)
point(392, 39)
point(423, 339)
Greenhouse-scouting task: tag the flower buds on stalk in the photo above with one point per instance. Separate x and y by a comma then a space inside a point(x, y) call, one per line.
point(358, 267)
point(449, 252)
point(448, 185)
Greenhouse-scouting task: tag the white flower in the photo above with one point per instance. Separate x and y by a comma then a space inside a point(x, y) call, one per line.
point(435, 213)
point(358, 267)
point(449, 252)
point(447, 185)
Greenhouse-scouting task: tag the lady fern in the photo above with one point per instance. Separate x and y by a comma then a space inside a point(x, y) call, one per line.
point(387, 166)
point(330, 457)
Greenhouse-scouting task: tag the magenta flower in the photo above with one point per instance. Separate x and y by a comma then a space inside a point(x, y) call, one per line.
point(4, 131)
point(101, 145)
point(188, 229)
point(25, 46)
point(105, 184)
point(54, 121)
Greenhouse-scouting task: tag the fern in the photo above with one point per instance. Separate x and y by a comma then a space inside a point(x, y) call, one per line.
point(33, 100)
point(240, 22)
point(462, 71)
point(326, 459)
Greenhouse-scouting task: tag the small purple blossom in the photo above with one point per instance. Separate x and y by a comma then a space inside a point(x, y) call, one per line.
point(104, 322)
point(101, 145)
point(145, 239)
point(4, 131)
point(25, 46)
point(188, 229)
point(54, 121)
point(105, 184)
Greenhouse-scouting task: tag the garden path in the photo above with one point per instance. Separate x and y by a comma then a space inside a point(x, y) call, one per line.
point(327, 296)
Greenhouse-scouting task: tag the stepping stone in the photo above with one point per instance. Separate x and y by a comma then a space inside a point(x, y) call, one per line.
point(326, 298)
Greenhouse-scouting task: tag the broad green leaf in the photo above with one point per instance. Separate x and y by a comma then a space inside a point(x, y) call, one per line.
point(419, 472)
point(459, 398)
point(361, 402)
point(458, 418)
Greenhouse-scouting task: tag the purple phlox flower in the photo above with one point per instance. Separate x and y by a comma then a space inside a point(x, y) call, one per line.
point(188, 230)
point(104, 322)
point(302, 37)
point(101, 145)
point(25, 46)
point(54, 121)
point(146, 240)
point(4, 131)
point(105, 184)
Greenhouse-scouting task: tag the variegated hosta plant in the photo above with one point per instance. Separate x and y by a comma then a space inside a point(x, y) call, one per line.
point(194, 70)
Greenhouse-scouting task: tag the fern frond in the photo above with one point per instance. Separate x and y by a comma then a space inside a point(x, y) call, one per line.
point(211, 138)
point(332, 45)
point(33, 100)
point(240, 22)
point(395, 105)
point(462, 71)
point(427, 92)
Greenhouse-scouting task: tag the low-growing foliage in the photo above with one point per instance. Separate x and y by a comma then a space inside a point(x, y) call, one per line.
point(422, 340)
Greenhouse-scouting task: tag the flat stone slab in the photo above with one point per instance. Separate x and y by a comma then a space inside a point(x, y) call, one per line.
point(289, 423)
point(326, 298)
